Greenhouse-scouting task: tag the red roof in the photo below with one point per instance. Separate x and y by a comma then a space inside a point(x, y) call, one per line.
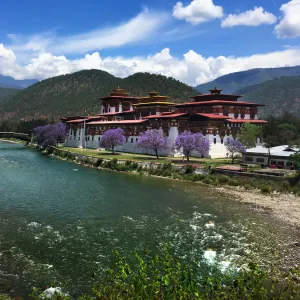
point(246, 121)
point(216, 102)
point(118, 97)
point(214, 116)
point(117, 122)
point(76, 121)
point(165, 116)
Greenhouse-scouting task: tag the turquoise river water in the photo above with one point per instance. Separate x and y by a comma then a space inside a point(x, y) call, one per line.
point(60, 222)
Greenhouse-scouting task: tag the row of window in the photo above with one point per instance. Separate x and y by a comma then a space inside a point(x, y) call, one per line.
point(88, 138)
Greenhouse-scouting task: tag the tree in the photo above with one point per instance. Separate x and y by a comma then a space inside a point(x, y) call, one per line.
point(152, 139)
point(295, 158)
point(234, 147)
point(249, 134)
point(50, 135)
point(187, 142)
point(112, 138)
point(269, 142)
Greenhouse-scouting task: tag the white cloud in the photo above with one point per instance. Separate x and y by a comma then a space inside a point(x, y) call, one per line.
point(198, 11)
point(192, 68)
point(138, 29)
point(255, 17)
point(289, 26)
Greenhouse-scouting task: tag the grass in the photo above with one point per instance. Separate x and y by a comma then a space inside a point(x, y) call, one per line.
point(205, 162)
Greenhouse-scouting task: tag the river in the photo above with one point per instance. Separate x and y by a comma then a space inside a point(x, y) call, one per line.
point(60, 222)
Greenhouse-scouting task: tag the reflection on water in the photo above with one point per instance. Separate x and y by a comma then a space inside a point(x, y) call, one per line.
point(60, 222)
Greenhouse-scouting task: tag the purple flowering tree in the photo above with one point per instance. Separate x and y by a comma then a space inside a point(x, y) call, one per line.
point(112, 138)
point(152, 139)
point(188, 142)
point(234, 148)
point(50, 135)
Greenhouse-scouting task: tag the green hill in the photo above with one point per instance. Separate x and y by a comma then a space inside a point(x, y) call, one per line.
point(76, 93)
point(279, 95)
point(7, 92)
point(238, 80)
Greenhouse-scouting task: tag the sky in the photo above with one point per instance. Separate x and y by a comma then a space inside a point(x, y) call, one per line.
point(194, 41)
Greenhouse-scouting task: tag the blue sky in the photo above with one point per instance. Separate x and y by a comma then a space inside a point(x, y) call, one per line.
point(194, 41)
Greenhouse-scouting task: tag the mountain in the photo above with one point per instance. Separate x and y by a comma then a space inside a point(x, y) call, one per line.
point(7, 92)
point(279, 95)
point(235, 81)
point(77, 93)
point(9, 82)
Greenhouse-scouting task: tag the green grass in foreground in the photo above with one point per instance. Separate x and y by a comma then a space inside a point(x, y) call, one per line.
point(147, 158)
point(164, 276)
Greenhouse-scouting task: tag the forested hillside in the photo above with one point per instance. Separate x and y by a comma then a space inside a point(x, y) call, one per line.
point(279, 95)
point(7, 92)
point(77, 93)
point(238, 80)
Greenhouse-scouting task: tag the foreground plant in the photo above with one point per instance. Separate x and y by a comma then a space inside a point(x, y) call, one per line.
point(165, 276)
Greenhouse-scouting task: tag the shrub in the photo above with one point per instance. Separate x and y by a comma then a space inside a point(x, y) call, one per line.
point(140, 168)
point(98, 162)
point(85, 160)
point(167, 173)
point(266, 189)
point(247, 186)
point(223, 179)
point(189, 169)
point(198, 177)
point(167, 166)
point(233, 182)
point(208, 180)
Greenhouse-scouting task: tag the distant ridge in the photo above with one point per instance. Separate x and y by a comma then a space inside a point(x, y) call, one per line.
point(238, 80)
point(279, 95)
point(9, 82)
point(77, 93)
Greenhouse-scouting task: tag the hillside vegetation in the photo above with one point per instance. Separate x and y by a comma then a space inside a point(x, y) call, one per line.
point(279, 95)
point(238, 80)
point(77, 93)
point(7, 92)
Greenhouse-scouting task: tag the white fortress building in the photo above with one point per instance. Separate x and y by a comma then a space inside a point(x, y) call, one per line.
point(218, 116)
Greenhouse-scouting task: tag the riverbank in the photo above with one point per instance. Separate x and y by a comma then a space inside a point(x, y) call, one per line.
point(285, 207)
point(13, 141)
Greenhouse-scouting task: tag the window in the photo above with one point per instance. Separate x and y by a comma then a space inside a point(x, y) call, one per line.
point(79, 138)
point(99, 139)
point(249, 158)
point(126, 139)
point(260, 160)
point(236, 114)
point(136, 139)
point(92, 138)
point(289, 164)
point(131, 140)
point(280, 163)
point(222, 140)
point(70, 137)
point(215, 140)
point(273, 162)
point(214, 132)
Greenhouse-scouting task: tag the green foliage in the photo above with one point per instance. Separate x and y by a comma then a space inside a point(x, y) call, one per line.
point(98, 162)
point(266, 189)
point(295, 158)
point(248, 135)
point(5, 93)
point(78, 93)
point(5, 297)
point(165, 276)
point(278, 95)
point(189, 169)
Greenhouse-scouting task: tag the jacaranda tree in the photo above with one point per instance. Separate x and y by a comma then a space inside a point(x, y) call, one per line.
point(188, 142)
point(234, 148)
point(50, 135)
point(152, 139)
point(112, 138)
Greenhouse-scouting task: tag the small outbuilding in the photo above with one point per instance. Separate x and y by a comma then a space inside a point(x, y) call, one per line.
point(279, 156)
